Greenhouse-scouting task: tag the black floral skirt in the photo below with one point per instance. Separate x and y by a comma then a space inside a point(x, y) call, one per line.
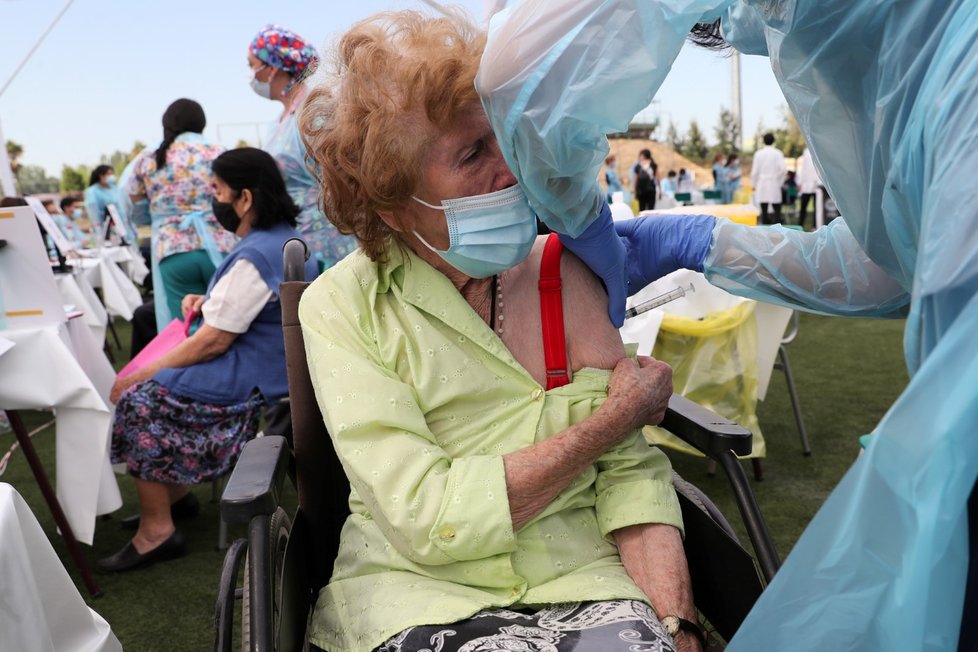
point(164, 437)
point(605, 626)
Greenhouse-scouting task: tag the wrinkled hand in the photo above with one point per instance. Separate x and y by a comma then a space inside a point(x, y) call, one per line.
point(121, 384)
point(639, 392)
point(601, 250)
point(191, 304)
point(657, 245)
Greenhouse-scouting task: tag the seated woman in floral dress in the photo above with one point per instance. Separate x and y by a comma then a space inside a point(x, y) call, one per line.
point(183, 419)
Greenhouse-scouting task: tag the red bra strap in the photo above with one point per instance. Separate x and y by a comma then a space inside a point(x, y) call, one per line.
point(552, 314)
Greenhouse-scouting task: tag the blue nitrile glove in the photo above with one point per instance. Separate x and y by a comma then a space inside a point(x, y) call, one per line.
point(657, 245)
point(601, 250)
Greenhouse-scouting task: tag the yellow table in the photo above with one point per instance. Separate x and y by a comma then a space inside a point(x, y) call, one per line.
point(740, 213)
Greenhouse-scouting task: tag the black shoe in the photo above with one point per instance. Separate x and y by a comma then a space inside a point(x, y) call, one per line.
point(129, 558)
point(186, 507)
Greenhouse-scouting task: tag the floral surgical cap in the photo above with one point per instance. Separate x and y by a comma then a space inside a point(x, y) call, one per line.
point(283, 49)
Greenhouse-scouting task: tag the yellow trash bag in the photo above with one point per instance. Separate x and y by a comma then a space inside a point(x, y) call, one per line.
point(714, 363)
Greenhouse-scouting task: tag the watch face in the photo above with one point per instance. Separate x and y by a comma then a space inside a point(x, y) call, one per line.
point(671, 623)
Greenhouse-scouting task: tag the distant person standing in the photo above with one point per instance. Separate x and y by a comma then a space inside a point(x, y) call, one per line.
point(767, 174)
point(808, 185)
point(730, 177)
point(613, 180)
point(280, 60)
point(99, 195)
point(644, 181)
point(717, 170)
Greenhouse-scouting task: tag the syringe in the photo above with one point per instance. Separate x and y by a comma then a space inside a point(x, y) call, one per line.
point(660, 300)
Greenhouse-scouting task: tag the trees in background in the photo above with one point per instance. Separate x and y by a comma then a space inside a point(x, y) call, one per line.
point(788, 138)
point(75, 178)
point(695, 148)
point(677, 142)
point(14, 152)
point(727, 134)
point(33, 179)
point(693, 145)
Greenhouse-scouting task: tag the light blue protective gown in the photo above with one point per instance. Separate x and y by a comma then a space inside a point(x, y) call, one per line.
point(887, 97)
point(138, 212)
point(97, 198)
point(327, 244)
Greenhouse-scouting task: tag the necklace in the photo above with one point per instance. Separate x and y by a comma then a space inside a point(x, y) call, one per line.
point(496, 299)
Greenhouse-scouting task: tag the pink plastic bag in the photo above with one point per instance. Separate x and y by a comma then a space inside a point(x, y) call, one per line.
point(164, 342)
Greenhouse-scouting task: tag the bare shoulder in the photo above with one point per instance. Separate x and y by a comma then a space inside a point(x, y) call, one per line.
point(592, 340)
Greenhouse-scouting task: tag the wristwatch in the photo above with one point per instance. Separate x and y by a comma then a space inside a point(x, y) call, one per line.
point(675, 624)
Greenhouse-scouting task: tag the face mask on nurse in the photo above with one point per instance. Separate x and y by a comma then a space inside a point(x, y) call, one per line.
point(262, 88)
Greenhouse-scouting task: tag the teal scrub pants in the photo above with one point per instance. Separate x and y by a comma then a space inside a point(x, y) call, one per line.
point(183, 274)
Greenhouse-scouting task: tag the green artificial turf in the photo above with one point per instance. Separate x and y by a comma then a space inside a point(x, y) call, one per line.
point(847, 373)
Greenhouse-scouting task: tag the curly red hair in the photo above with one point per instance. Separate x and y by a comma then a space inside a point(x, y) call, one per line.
point(397, 80)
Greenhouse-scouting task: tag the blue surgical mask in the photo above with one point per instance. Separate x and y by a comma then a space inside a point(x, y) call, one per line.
point(76, 214)
point(488, 234)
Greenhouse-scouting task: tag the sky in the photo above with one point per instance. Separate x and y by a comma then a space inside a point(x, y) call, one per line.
point(109, 68)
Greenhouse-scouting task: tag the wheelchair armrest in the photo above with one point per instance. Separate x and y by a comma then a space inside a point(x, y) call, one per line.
point(255, 485)
point(722, 440)
point(705, 430)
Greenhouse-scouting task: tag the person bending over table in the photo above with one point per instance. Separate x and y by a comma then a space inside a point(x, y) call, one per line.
point(485, 511)
point(183, 419)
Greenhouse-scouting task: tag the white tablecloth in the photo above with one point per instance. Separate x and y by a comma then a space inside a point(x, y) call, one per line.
point(40, 608)
point(60, 366)
point(78, 292)
point(118, 292)
point(127, 258)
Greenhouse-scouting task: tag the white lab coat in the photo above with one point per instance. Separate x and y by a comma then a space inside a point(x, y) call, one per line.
point(767, 175)
point(807, 178)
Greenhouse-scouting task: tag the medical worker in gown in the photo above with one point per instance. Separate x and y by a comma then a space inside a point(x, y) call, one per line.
point(885, 95)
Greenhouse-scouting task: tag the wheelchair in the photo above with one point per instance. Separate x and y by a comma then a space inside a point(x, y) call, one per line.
point(287, 560)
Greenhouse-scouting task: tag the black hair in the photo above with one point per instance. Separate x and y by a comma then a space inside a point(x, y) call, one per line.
point(646, 153)
point(672, 173)
point(183, 115)
point(769, 138)
point(68, 201)
point(98, 172)
point(256, 170)
point(708, 35)
point(10, 202)
point(731, 159)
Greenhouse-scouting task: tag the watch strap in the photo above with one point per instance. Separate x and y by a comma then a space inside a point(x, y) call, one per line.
point(692, 628)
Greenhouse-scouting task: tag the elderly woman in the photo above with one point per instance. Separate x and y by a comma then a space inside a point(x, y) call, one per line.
point(183, 419)
point(279, 60)
point(487, 512)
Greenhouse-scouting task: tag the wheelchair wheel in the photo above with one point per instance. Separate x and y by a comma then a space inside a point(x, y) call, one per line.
point(279, 527)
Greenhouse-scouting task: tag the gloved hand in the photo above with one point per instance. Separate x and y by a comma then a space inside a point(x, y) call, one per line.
point(601, 250)
point(657, 245)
